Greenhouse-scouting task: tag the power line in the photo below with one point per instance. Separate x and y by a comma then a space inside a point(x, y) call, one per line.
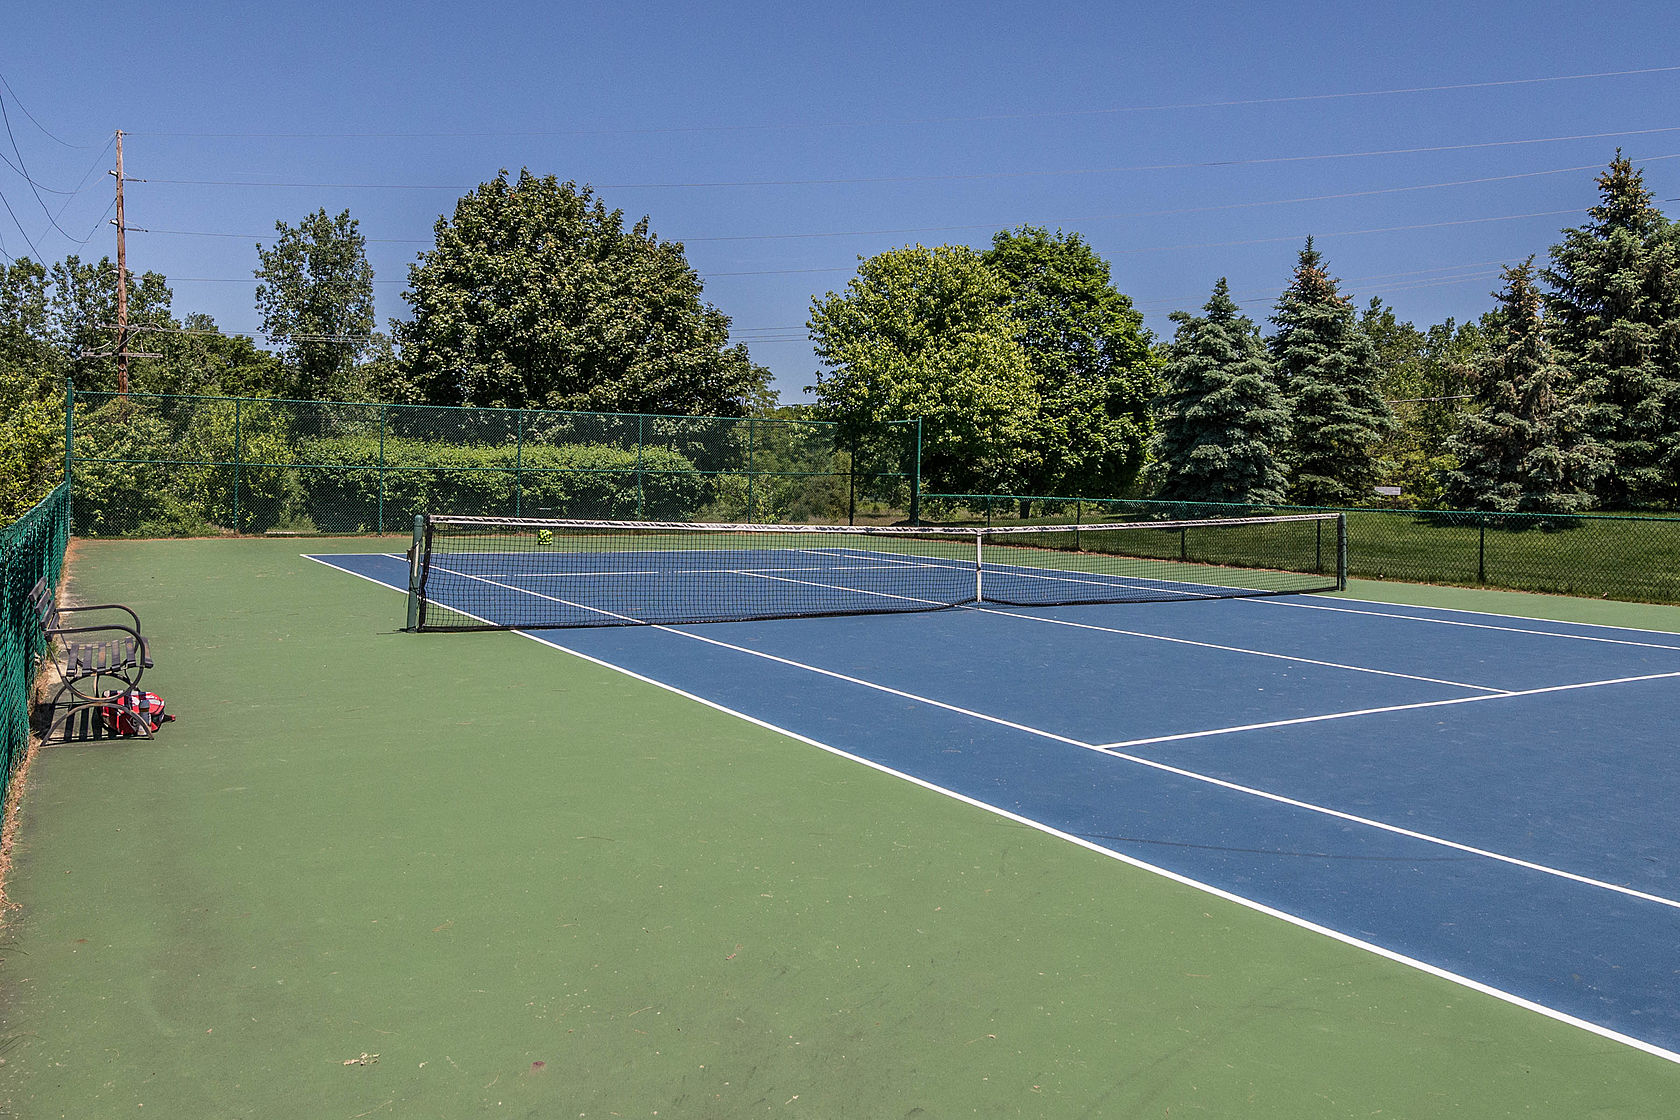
point(881, 179)
point(968, 119)
point(26, 240)
point(1113, 252)
point(31, 116)
point(1340, 196)
point(23, 170)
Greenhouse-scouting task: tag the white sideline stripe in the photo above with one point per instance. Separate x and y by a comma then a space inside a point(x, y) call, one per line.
point(600, 573)
point(1477, 625)
point(1381, 711)
point(1132, 861)
point(1115, 750)
point(526, 591)
point(1522, 617)
point(325, 563)
point(1141, 865)
point(889, 690)
point(1096, 579)
point(1112, 751)
point(1238, 649)
point(841, 587)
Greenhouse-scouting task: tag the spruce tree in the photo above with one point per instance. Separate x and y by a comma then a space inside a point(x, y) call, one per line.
point(1614, 313)
point(1327, 367)
point(1524, 448)
point(1222, 420)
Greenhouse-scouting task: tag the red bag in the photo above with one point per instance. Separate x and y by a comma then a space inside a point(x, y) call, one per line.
point(129, 709)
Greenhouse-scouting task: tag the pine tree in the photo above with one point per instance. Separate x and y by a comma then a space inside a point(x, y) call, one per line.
point(1614, 313)
point(1222, 420)
point(1327, 367)
point(1524, 449)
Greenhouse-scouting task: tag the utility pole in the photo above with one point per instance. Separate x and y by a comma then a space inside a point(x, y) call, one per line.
point(122, 279)
point(121, 352)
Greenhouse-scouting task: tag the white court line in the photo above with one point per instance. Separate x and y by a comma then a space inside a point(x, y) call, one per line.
point(1381, 711)
point(599, 573)
point(1113, 750)
point(1520, 617)
point(1469, 625)
point(1237, 649)
point(1116, 750)
point(1131, 861)
point(1098, 579)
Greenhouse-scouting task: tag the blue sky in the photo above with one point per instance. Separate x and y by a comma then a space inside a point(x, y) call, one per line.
point(781, 142)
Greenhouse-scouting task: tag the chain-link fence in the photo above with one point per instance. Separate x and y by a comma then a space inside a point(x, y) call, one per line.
point(1599, 555)
point(30, 548)
point(155, 465)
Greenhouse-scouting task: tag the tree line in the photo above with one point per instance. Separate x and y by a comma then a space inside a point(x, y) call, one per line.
point(1031, 372)
point(1564, 397)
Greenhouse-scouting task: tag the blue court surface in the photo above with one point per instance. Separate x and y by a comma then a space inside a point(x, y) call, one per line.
point(729, 582)
point(1484, 797)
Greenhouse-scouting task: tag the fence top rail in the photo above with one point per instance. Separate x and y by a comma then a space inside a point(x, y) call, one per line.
point(927, 496)
point(24, 521)
point(102, 394)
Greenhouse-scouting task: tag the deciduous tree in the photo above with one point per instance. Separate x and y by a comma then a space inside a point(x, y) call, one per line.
point(925, 334)
point(1091, 358)
point(536, 295)
point(315, 294)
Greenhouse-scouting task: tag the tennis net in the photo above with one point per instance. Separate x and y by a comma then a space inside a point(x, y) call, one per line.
point(476, 573)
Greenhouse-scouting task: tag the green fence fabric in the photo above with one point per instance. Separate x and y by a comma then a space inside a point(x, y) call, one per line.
point(158, 465)
point(1600, 555)
point(31, 547)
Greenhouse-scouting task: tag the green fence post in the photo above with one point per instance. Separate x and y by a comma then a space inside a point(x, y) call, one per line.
point(749, 470)
point(1481, 549)
point(69, 425)
point(851, 486)
point(380, 471)
point(519, 466)
point(641, 491)
point(238, 461)
point(916, 493)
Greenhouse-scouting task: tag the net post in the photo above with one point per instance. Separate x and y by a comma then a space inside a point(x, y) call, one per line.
point(1341, 552)
point(415, 552)
point(979, 568)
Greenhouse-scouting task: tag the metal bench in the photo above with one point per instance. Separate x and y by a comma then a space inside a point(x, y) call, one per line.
point(96, 653)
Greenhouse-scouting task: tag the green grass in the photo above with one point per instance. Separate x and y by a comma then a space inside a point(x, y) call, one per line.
point(1629, 558)
point(534, 887)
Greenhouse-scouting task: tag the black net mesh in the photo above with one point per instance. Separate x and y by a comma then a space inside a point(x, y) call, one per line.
point(527, 573)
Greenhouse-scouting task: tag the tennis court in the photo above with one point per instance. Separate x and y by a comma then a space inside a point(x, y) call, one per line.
point(1376, 772)
point(1307, 855)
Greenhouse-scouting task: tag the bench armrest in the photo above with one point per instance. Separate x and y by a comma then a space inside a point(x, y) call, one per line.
point(59, 631)
point(103, 607)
